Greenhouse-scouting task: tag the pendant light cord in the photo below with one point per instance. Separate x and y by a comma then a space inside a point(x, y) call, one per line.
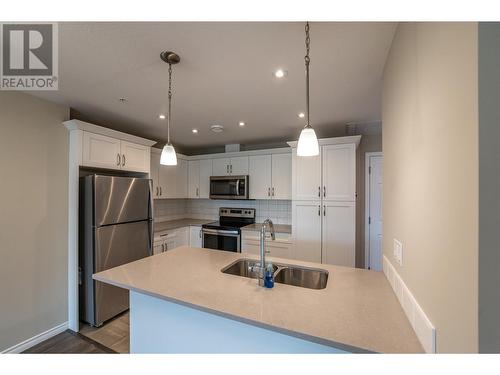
point(307, 61)
point(169, 101)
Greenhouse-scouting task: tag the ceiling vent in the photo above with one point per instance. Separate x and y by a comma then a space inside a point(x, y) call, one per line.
point(217, 128)
point(234, 147)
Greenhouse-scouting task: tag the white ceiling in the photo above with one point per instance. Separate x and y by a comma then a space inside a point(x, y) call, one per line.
point(225, 76)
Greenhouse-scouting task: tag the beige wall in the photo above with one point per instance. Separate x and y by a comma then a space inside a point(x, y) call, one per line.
point(430, 193)
point(33, 217)
point(369, 143)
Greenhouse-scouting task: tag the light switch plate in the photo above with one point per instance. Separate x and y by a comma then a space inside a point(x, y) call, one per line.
point(398, 252)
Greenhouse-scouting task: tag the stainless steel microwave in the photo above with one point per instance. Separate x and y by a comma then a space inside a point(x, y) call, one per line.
point(229, 187)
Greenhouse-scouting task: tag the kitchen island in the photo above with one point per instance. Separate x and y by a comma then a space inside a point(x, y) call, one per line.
point(181, 302)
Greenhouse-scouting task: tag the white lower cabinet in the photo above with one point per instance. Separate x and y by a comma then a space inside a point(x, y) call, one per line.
point(281, 247)
point(171, 239)
point(325, 232)
point(306, 229)
point(195, 236)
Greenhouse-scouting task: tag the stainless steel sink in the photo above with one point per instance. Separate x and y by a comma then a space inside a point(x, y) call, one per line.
point(311, 278)
point(242, 267)
point(304, 277)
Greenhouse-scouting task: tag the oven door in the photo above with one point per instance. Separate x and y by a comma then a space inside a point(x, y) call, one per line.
point(227, 240)
point(233, 187)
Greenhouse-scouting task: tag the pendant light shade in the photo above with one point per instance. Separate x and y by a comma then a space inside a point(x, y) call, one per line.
point(308, 143)
point(168, 155)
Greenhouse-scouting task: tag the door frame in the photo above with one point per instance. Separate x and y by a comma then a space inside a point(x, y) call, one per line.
point(368, 155)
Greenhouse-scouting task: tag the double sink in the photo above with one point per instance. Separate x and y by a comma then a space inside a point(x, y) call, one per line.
point(311, 278)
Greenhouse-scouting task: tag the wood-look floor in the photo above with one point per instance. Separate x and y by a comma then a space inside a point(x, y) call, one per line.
point(114, 334)
point(68, 342)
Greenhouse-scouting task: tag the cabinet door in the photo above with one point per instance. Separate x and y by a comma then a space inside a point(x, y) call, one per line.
point(154, 174)
point(281, 187)
point(205, 173)
point(221, 167)
point(182, 237)
point(339, 172)
point(135, 157)
point(101, 151)
point(339, 233)
point(306, 177)
point(260, 176)
point(306, 231)
point(239, 166)
point(195, 236)
point(181, 179)
point(167, 181)
point(194, 179)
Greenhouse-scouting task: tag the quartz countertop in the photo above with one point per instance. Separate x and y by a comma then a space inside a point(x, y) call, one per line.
point(176, 224)
point(278, 228)
point(356, 311)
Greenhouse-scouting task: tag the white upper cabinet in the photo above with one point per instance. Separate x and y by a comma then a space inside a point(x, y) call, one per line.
point(205, 173)
point(306, 174)
point(270, 176)
point(194, 179)
point(260, 178)
point(230, 166)
point(181, 179)
point(281, 176)
point(108, 152)
point(239, 166)
point(135, 157)
point(154, 174)
point(221, 166)
point(167, 183)
point(101, 151)
point(339, 233)
point(339, 167)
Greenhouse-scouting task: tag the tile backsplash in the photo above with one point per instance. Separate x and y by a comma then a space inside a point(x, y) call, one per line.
point(279, 211)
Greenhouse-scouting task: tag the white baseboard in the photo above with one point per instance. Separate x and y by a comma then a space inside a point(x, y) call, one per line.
point(424, 329)
point(26, 344)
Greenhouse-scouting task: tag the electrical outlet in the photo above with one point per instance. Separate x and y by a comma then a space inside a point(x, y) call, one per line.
point(398, 252)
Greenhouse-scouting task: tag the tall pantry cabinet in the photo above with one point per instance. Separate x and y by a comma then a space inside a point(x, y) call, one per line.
point(324, 202)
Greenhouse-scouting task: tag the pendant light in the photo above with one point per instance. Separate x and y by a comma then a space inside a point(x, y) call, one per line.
point(308, 142)
point(168, 155)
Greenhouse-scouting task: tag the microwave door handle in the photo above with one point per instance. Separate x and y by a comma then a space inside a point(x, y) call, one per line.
point(237, 187)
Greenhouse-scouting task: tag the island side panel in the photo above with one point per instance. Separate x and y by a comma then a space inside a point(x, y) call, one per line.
point(160, 326)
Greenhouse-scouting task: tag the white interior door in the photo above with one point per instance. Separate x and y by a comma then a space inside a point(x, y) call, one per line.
point(260, 176)
point(282, 176)
point(374, 207)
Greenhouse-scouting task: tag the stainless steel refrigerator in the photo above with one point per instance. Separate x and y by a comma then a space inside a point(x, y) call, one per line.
point(116, 227)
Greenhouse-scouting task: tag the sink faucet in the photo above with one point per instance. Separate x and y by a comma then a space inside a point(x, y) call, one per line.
point(262, 267)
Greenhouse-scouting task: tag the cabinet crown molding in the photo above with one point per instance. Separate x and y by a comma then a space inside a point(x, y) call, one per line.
point(333, 141)
point(91, 128)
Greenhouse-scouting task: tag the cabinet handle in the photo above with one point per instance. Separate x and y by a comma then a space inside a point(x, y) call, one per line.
point(157, 191)
point(197, 192)
point(123, 160)
point(272, 192)
point(160, 191)
point(319, 210)
point(162, 247)
point(231, 168)
point(268, 192)
point(199, 233)
point(324, 210)
point(118, 160)
point(319, 191)
point(324, 191)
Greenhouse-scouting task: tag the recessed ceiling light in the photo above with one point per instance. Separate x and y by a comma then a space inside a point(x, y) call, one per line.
point(217, 128)
point(301, 115)
point(161, 117)
point(195, 131)
point(122, 100)
point(280, 73)
point(241, 123)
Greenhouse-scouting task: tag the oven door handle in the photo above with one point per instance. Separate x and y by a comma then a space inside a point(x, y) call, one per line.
point(231, 233)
